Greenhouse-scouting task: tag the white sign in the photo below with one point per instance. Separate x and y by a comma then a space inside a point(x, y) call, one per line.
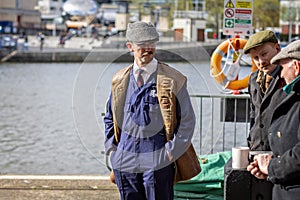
point(238, 17)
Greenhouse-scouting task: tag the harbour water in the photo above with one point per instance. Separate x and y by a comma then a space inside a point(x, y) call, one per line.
point(51, 114)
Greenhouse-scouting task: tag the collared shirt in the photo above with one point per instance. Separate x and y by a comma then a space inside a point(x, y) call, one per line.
point(261, 74)
point(148, 70)
point(264, 79)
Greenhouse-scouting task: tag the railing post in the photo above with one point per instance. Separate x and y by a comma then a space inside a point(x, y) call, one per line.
point(227, 129)
point(223, 124)
point(200, 139)
point(212, 125)
point(235, 115)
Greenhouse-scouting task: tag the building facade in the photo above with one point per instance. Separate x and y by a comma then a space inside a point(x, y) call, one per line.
point(190, 25)
point(51, 14)
point(22, 14)
point(290, 17)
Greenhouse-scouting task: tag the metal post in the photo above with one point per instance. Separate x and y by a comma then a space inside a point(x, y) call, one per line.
point(212, 126)
point(200, 139)
point(235, 114)
point(223, 126)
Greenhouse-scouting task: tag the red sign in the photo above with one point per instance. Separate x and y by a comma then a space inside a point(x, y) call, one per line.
point(242, 11)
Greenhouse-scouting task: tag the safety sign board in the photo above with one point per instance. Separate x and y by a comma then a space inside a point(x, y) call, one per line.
point(238, 17)
point(229, 12)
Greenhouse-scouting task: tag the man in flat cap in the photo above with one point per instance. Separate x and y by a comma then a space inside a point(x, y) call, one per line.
point(263, 87)
point(265, 94)
point(149, 122)
point(283, 167)
point(263, 84)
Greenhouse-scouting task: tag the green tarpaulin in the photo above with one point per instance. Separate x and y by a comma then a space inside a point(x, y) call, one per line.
point(209, 183)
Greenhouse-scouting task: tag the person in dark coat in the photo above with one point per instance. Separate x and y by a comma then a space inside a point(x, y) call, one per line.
point(263, 84)
point(283, 167)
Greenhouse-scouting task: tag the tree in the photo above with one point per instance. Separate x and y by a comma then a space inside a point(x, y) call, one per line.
point(290, 13)
point(182, 5)
point(266, 13)
point(215, 10)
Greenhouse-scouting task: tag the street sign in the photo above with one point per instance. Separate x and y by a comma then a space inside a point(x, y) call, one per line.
point(229, 13)
point(238, 17)
point(229, 23)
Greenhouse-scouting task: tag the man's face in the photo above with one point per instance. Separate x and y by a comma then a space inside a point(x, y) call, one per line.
point(143, 54)
point(290, 69)
point(263, 54)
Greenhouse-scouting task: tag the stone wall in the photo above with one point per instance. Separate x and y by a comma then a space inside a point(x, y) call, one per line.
point(192, 53)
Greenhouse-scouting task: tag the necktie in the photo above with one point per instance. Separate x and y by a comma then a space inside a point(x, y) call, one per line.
point(268, 81)
point(139, 79)
point(264, 81)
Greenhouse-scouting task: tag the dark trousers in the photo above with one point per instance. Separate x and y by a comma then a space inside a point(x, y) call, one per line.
point(153, 185)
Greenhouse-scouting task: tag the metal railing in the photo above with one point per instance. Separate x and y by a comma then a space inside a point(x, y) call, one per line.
point(222, 122)
point(190, 14)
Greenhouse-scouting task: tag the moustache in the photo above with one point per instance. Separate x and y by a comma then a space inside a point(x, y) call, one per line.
point(147, 53)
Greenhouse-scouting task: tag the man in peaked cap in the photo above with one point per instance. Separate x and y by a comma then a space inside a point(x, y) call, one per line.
point(289, 59)
point(141, 32)
point(283, 167)
point(263, 84)
point(141, 41)
point(264, 93)
point(149, 122)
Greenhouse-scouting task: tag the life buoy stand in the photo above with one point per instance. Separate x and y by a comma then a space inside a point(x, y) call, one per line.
point(216, 65)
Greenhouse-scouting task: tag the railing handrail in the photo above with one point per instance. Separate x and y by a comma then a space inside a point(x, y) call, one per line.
point(225, 96)
point(190, 14)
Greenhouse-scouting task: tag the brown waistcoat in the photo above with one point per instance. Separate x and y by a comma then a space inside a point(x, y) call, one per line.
point(169, 83)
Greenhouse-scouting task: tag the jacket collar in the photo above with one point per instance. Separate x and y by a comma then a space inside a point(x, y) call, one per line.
point(293, 86)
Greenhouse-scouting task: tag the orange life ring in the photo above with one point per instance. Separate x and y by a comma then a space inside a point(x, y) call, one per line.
point(216, 65)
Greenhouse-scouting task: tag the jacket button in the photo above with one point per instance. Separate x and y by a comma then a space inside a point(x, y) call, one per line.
point(261, 125)
point(279, 134)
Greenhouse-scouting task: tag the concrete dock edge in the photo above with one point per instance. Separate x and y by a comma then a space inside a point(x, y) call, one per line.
point(67, 187)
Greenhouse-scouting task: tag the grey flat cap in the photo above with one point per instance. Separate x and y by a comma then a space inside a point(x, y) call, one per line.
point(290, 51)
point(260, 38)
point(141, 32)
